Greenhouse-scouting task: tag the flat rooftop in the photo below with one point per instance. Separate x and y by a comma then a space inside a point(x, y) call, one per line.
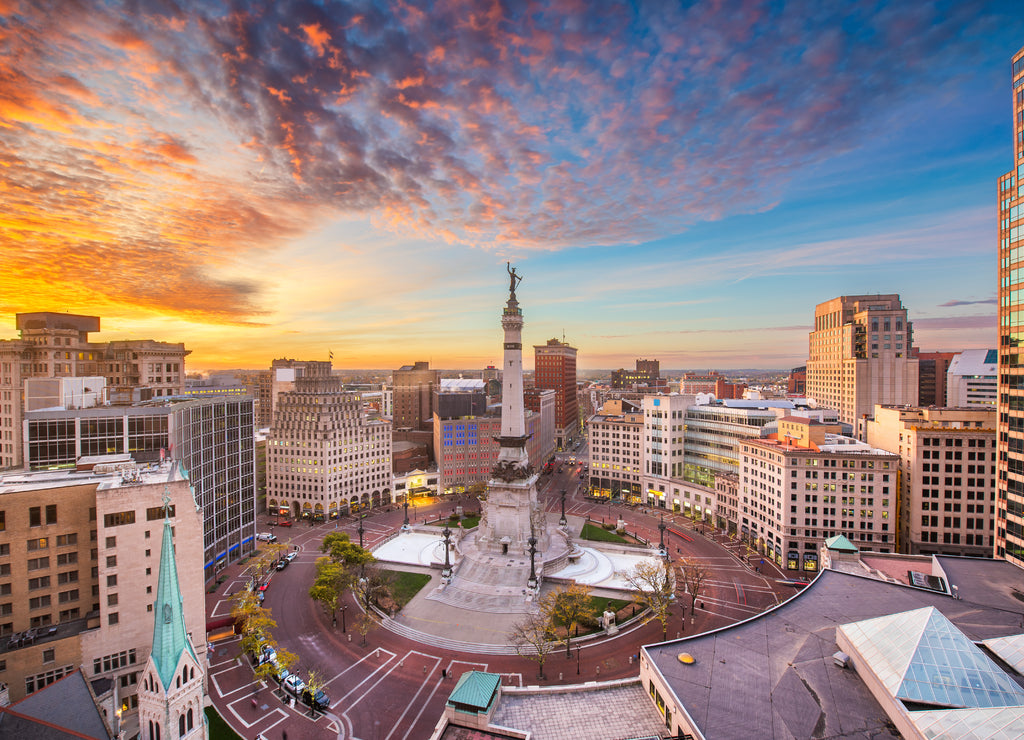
point(778, 667)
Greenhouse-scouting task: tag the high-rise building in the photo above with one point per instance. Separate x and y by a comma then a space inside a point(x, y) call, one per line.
point(80, 563)
point(413, 394)
point(211, 439)
point(1010, 421)
point(931, 377)
point(663, 445)
point(647, 376)
point(808, 483)
point(56, 345)
point(325, 456)
point(861, 354)
point(972, 379)
point(947, 481)
point(615, 446)
point(555, 369)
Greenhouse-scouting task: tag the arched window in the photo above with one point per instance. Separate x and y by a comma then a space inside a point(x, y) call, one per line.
point(151, 735)
point(191, 673)
point(181, 725)
point(189, 723)
point(157, 731)
point(184, 674)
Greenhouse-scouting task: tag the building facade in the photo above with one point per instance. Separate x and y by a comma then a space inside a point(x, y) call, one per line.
point(808, 483)
point(616, 448)
point(973, 379)
point(1010, 421)
point(861, 353)
point(947, 482)
point(467, 448)
point(413, 394)
point(647, 375)
point(325, 457)
point(555, 369)
point(931, 377)
point(212, 440)
point(55, 345)
point(80, 569)
point(663, 445)
point(543, 403)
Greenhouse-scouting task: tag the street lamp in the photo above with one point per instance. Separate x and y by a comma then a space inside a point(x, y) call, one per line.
point(344, 608)
point(406, 505)
point(532, 582)
point(360, 530)
point(661, 529)
point(447, 572)
point(563, 521)
point(577, 660)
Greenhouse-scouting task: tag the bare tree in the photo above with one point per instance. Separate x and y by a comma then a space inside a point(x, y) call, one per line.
point(534, 637)
point(314, 682)
point(652, 586)
point(364, 624)
point(694, 574)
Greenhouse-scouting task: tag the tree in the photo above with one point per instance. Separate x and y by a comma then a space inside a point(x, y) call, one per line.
point(570, 607)
point(694, 574)
point(652, 586)
point(314, 682)
point(255, 621)
point(364, 624)
point(332, 579)
point(270, 553)
point(285, 660)
point(341, 550)
point(534, 637)
point(375, 585)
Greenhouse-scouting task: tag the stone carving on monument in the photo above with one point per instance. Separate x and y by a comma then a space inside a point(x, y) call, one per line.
point(511, 471)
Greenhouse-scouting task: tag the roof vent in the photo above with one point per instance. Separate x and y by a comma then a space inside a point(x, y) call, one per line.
point(841, 659)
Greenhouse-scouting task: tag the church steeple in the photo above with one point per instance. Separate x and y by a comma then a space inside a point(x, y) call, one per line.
point(170, 638)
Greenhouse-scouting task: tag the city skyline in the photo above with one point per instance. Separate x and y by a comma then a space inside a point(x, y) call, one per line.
point(299, 180)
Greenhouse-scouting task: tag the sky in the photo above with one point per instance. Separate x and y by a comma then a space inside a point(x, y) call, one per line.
point(679, 181)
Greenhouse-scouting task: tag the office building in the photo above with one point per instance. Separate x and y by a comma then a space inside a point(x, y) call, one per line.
point(467, 448)
point(663, 444)
point(56, 345)
point(615, 446)
point(807, 483)
point(543, 403)
point(412, 391)
point(555, 369)
point(714, 431)
point(212, 440)
point(1010, 420)
point(80, 569)
point(931, 377)
point(973, 379)
point(947, 482)
point(646, 376)
point(796, 385)
point(861, 354)
point(325, 456)
point(693, 383)
point(457, 397)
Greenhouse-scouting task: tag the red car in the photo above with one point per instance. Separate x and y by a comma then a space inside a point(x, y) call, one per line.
point(284, 522)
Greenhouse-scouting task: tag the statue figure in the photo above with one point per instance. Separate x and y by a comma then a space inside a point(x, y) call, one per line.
point(513, 280)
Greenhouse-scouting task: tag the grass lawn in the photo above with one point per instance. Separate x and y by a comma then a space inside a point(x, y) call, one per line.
point(597, 533)
point(407, 585)
point(219, 729)
point(468, 522)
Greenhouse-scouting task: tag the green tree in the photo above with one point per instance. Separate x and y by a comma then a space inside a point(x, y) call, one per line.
point(269, 554)
point(569, 607)
point(255, 622)
point(534, 638)
point(332, 579)
point(284, 661)
point(652, 586)
point(341, 550)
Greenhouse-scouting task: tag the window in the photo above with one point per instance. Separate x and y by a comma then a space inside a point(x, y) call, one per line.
point(111, 599)
point(48, 655)
point(51, 513)
point(35, 518)
point(157, 512)
point(111, 561)
point(67, 558)
point(65, 540)
point(112, 618)
point(38, 544)
point(111, 542)
point(119, 518)
point(111, 581)
point(34, 584)
point(65, 597)
point(38, 563)
point(39, 602)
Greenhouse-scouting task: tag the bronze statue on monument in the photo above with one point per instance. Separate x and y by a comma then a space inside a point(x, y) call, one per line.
point(513, 280)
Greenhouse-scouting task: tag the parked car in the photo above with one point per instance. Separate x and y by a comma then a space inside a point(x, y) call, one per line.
point(294, 685)
point(283, 563)
point(265, 654)
point(320, 701)
point(284, 523)
point(281, 674)
point(291, 556)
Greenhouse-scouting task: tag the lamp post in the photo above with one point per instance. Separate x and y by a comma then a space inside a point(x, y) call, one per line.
point(360, 530)
point(532, 582)
point(661, 529)
point(577, 660)
point(447, 572)
point(563, 521)
point(344, 608)
point(406, 505)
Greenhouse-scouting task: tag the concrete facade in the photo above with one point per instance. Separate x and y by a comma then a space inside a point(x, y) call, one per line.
point(972, 379)
point(861, 353)
point(947, 482)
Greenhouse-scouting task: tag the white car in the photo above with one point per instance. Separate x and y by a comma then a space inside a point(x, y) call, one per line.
point(266, 537)
point(290, 556)
point(294, 684)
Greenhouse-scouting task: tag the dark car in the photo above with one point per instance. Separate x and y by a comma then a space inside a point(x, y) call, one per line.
point(282, 563)
point(320, 702)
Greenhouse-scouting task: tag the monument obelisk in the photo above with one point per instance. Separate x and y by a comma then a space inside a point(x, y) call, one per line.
point(511, 513)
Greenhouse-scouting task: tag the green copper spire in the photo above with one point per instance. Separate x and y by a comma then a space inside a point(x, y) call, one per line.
point(170, 638)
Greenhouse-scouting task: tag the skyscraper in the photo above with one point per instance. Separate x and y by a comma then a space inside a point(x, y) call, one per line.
point(1010, 419)
point(860, 355)
point(555, 369)
point(413, 395)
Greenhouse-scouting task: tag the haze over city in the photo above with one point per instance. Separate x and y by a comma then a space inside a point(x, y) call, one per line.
point(350, 178)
